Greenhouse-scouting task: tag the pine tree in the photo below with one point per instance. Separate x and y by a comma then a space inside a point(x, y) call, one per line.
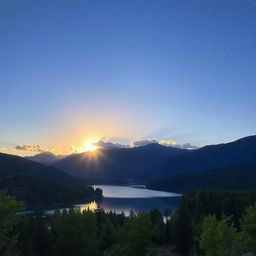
point(220, 237)
point(248, 225)
point(182, 230)
point(8, 208)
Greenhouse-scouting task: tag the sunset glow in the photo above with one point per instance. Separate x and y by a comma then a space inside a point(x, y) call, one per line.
point(89, 146)
point(122, 90)
point(92, 206)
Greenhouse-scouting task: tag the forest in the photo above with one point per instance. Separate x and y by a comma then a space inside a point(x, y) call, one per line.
point(234, 177)
point(207, 223)
point(37, 184)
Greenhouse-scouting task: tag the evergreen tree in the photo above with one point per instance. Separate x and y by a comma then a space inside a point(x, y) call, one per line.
point(158, 227)
point(75, 233)
point(8, 208)
point(182, 230)
point(220, 238)
point(35, 236)
point(139, 235)
point(248, 224)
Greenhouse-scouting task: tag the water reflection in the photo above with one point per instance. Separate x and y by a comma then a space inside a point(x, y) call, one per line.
point(124, 199)
point(92, 206)
point(138, 191)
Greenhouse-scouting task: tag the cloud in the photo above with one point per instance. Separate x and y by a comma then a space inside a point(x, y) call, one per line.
point(139, 143)
point(171, 143)
point(74, 149)
point(32, 148)
point(167, 143)
point(103, 144)
point(189, 146)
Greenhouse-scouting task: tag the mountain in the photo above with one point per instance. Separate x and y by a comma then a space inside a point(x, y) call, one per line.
point(241, 151)
point(39, 184)
point(46, 158)
point(115, 165)
point(238, 177)
point(153, 162)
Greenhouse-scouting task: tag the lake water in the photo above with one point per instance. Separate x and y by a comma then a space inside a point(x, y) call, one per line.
point(137, 191)
point(124, 198)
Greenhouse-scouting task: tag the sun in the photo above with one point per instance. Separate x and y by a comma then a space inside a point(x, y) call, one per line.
point(89, 146)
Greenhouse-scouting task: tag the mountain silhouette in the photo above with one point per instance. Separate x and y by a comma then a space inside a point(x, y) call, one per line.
point(111, 165)
point(153, 162)
point(38, 184)
point(237, 177)
point(46, 158)
point(241, 151)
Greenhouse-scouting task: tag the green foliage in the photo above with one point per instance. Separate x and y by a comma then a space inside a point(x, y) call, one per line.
point(74, 233)
point(220, 237)
point(182, 230)
point(200, 204)
point(107, 234)
point(35, 236)
point(116, 250)
point(140, 232)
point(185, 226)
point(8, 207)
point(198, 227)
point(158, 227)
point(248, 225)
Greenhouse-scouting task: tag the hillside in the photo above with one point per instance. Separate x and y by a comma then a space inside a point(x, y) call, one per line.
point(114, 165)
point(46, 158)
point(153, 162)
point(239, 177)
point(241, 151)
point(39, 184)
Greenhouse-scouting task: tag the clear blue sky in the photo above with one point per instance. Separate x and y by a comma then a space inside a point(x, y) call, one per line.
point(124, 70)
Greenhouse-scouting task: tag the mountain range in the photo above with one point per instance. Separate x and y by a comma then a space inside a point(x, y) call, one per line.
point(47, 178)
point(115, 165)
point(155, 162)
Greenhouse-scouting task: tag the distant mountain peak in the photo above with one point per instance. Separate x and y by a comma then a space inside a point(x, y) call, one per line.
point(46, 158)
point(153, 145)
point(45, 153)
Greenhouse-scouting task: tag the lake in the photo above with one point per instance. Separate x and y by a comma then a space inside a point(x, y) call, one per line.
point(138, 198)
point(136, 191)
point(124, 198)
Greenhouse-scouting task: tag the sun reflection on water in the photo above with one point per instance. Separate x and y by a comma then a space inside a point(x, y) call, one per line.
point(92, 206)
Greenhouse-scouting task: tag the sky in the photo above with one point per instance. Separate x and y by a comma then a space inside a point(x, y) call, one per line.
point(122, 71)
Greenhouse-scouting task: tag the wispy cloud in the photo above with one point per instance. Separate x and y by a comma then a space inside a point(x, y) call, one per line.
point(171, 143)
point(103, 144)
point(189, 146)
point(74, 149)
point(139, 143)
point(35, 148)
point(30, 147)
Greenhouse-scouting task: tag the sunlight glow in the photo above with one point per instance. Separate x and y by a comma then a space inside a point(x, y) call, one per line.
point(92, 206)
point(88, 146)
